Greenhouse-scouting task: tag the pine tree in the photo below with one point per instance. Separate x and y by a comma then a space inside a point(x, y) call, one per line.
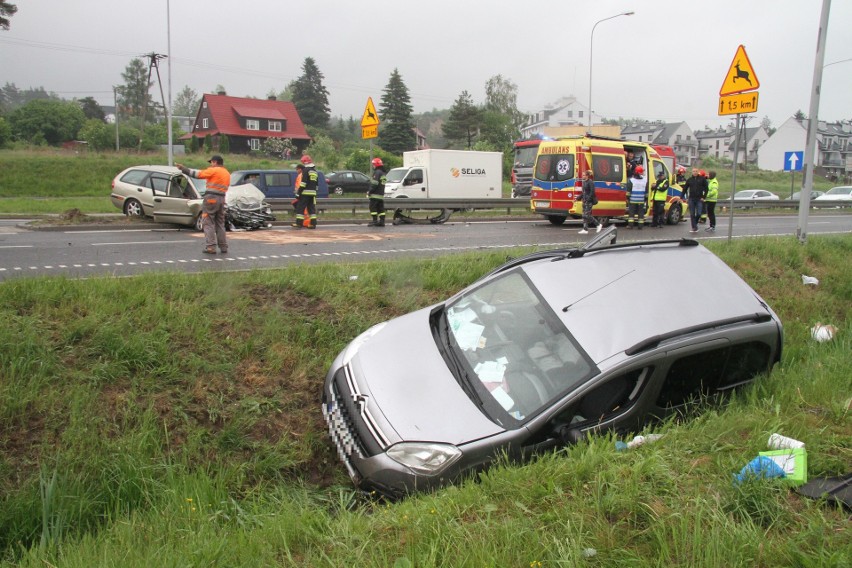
point(464, 121)
point(310, 96)
point(396, 133)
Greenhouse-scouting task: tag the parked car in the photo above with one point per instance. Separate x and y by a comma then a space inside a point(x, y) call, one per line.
point(814, 194)
point(347, 181)
point(161, 192)
point(841, 193)
point(275, 183)
point(747, 197)
point(538, 354)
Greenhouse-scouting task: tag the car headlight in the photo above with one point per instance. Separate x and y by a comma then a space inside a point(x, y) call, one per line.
point(424, 457)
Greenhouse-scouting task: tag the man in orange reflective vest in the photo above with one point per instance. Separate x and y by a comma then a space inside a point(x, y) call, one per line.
point(213, 206)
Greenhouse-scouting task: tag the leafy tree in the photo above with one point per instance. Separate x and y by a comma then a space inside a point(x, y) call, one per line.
point(497, 130)
point(133, 94)
point(46, 121)
point(323, 152)
point(310, 96)
point(463, 123)
point(193, 144)
point(208, 143)
point(98, 134)
point(396, 133)
point(5, 132)
point(501, 95)
point(91, 108)
point(224, 144)
point(280, 148)
point(7, 10)
point(11, 97)
point(186, 102)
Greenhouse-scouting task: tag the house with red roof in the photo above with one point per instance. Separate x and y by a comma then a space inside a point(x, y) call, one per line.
point(247, 122)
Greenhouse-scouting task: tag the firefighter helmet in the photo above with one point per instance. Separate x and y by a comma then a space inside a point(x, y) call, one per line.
point(377, 162)
point(681, 170)
point(639, 170)
point(306, 159)
point(702, 173)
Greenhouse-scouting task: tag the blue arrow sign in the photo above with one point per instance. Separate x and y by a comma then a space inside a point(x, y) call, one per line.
point(793, 161)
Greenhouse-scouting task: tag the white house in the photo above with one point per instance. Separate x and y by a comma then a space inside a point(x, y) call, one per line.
point(720, 143)
point(833, 151)
point(567, 111)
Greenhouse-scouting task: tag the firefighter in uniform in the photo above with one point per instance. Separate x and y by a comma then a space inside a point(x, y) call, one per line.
point(306, 194)
point(377, 194)
point(637, 198)
point(213, 207)
point(658, 198)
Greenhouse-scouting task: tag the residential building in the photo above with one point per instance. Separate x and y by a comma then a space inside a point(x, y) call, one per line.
point(832, 154)
point(565, 112)
point(247, 122)
point(721, 143)
point(678, 135)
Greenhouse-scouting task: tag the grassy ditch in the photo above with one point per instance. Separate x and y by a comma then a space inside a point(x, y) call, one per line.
point(174, 419)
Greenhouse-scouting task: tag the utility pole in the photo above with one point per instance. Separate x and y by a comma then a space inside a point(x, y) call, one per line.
point(115, 102)
point(153, 63)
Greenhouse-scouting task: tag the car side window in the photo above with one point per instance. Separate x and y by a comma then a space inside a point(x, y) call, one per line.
point(279, 179)
point(160, 184)
point(608, 168)
point(608, 399)
point(135, 177)
point(697, 376)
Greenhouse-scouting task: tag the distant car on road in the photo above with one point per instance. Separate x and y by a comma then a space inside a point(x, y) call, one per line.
point(841, 193)
point(747, 197)
point(814, 194)
point(530, 358)
point(347, 181)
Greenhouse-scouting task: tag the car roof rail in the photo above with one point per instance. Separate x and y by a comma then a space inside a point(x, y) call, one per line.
point(654, 341)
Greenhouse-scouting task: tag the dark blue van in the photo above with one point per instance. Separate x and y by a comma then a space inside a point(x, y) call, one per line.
point(276, 183)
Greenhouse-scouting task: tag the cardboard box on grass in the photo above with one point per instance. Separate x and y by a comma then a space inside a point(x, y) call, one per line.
point(794, 462)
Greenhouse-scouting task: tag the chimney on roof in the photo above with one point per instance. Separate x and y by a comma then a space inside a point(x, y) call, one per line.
point(221, 93)
point(272, 98)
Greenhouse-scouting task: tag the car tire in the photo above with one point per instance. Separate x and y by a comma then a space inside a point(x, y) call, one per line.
point(198, 226)
point(338, 190)
point(133, 208)
point(675, 214)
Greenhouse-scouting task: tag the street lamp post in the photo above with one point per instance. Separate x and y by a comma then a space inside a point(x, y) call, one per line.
point(591, 47)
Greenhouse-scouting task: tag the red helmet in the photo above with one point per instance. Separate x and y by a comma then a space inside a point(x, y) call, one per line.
point(377, 162)
point(639, 170)
point(306, 159)
point(702, 173)
point(681, 170)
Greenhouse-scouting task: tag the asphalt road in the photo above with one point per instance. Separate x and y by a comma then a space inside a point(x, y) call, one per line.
point(126, 251)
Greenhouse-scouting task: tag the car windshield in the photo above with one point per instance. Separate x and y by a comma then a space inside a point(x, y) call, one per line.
point(525, 156)
point(839, 191)
point(511, 348)
point(396, 174)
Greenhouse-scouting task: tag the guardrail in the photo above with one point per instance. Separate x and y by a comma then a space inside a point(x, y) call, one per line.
point(362, 203)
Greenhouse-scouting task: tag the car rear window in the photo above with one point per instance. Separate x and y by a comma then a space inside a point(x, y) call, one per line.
point(555, 167)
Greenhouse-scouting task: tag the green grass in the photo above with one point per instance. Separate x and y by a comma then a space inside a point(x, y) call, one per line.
point(174, 420)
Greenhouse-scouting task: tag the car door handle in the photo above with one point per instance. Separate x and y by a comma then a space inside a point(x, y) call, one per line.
point(157, 200)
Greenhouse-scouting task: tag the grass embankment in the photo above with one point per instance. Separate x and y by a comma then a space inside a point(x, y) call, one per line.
point(53, 181)
point(174, 420)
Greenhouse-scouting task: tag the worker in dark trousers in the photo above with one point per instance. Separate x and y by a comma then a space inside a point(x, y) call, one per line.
point(306, 195)
point(658, 199)
point(377, 194)
point(637, 198)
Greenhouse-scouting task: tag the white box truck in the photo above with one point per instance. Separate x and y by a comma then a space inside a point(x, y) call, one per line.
point(447, 174)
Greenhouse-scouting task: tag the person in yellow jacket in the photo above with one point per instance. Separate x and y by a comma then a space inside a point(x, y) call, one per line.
point(213, 206)
point(659, 192)
point(711, 199)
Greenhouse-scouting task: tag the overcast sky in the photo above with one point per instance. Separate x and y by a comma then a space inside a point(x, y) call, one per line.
point(668, 61)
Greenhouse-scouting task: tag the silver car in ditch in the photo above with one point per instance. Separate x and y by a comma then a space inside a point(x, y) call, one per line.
point(539, 353)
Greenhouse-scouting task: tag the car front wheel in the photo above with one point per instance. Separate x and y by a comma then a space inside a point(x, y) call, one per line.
point(198, 225)
point(133, 208)
point(675, 215)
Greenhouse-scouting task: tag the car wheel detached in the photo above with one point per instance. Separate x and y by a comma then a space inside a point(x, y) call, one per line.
point(133, 208)
point(338, 190)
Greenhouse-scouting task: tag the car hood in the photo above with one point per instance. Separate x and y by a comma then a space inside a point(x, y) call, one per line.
point(244, 196)
point(406, 378)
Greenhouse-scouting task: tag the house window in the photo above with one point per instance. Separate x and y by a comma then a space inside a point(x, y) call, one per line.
point(717, 146)
point(677, 138)
point(252, 124)
point(204, 104)
point(580, 114)
point(254, 143)
point(640, 138)
point(274, 126)
point(204, 123)
point(570, 113)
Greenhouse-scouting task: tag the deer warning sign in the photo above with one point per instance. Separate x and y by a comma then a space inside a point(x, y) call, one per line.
point(741, 76)
point(371, 117)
